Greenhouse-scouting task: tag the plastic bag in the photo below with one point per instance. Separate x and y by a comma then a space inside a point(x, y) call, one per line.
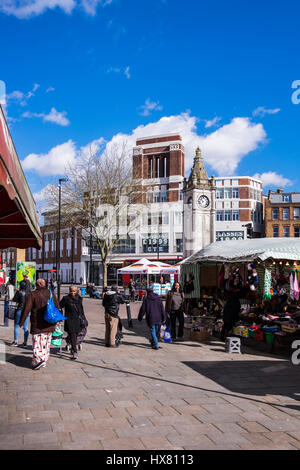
point(57, 337)
point(53, 315)
point(162, 331)
point(167, 336)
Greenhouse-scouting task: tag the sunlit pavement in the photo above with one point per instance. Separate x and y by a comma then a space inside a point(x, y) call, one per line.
point(183, 396)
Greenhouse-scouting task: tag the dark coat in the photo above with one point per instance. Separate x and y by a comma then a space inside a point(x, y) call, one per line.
point(111, 303)
point(36, 303)
point(20, 298)
point(231, 312)
point(76, 320)
point(153, 307)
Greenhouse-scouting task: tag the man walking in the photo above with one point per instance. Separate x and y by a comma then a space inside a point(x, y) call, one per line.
point(41, 331)
point(111, 302)
point(153, 307)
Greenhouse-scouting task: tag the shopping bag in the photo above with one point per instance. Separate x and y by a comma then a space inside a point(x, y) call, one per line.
point(162, 331)
point(167, 336)
point(53, 315)
point(57, 337)
point(11, 313)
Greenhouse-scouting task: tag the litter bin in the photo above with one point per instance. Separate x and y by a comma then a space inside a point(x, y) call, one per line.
point(82, 289)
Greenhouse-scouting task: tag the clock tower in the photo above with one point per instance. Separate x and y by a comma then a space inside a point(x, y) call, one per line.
point(199, 214)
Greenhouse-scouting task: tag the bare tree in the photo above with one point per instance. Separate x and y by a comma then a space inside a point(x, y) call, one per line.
point(101, 198)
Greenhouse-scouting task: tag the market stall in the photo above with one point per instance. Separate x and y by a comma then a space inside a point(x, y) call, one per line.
point(147, 271)
point(262, 274)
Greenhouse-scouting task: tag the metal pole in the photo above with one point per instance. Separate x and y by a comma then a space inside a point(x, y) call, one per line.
point(58, 242)
point(91, 257)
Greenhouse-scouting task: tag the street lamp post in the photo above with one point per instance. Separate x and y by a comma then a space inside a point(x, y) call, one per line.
point(60, 181)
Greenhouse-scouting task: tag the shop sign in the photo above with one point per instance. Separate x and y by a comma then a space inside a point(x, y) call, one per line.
point(85, 250)
point(153, 244)
point(229, 235)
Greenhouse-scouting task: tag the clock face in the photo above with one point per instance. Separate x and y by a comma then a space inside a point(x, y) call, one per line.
point(203, 201)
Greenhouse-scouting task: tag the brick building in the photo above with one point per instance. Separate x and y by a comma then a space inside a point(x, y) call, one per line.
point(282, 214)
point(239, 202)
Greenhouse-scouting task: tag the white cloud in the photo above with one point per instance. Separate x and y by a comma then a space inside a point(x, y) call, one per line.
point(54, 116)
point(23, 9)
point(150, 106)
point(52, 163)
point(50, 89)
point(222, 149)
point(261, 111)
point(270, 178)
point(212, 122)
point(21, 97)
point(125, 71)
point(57, 117)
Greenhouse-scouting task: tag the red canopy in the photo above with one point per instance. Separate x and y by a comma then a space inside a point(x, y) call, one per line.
point(19, 226)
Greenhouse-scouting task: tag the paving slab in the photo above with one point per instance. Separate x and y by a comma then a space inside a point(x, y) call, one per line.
point(183, 396)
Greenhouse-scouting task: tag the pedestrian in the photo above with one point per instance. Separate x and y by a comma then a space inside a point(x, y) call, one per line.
point(9, 295)
point(41, 331)
point(131, 287)
point(111, 302)
point(174, 310)
point(28, 285)
point(20, 297)
point(76, 323)
point(230, 314)
point(153, 307)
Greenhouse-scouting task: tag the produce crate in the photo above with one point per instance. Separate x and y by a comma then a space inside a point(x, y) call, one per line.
point(199, 336)
point(258, 335)
point(269, 337)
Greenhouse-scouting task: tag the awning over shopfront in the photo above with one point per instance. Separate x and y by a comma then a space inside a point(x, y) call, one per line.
point(144, 266)
point(238, 251)
point(19, 226)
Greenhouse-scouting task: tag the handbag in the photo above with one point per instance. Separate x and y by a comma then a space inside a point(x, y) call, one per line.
point(53, 315)
point(11, 313)
point(57, 337)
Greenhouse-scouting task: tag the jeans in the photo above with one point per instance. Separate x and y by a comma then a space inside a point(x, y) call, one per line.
point(16, 328)
point(154, 331)
point(6, 319)
point(174, 314)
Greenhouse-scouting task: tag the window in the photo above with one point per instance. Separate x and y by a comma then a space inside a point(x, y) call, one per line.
point(235, 193)
point(286, 231)
point(163, 195)
point(227, 215)
point(251, 194)
point(286, 198)
point(179, 242)
point(286, 213)
point(275, 231)
point(275, 213)
point(296, 213)
point(149, 197)
point(297, 231)
point(178, 218)
point(219, 216)
point(219, 193)
point(156, 197)
point(235, 215)
point(227, 193)
point(180, 195)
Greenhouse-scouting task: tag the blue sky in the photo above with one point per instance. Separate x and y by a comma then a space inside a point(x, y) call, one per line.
point(220, 73)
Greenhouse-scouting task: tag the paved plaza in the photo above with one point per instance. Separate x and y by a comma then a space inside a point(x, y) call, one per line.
point(183, 396)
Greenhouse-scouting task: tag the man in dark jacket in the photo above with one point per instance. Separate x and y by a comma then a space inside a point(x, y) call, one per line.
point(153, 307)
point(41, 331)
point(111, 302)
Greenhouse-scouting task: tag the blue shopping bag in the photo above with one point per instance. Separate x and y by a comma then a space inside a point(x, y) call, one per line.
point(53, 315)
point(167, 336)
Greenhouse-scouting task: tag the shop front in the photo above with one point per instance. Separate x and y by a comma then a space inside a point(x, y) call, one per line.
point(262, 275)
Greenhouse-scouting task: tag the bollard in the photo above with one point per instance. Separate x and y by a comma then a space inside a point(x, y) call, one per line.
point(128, 315)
